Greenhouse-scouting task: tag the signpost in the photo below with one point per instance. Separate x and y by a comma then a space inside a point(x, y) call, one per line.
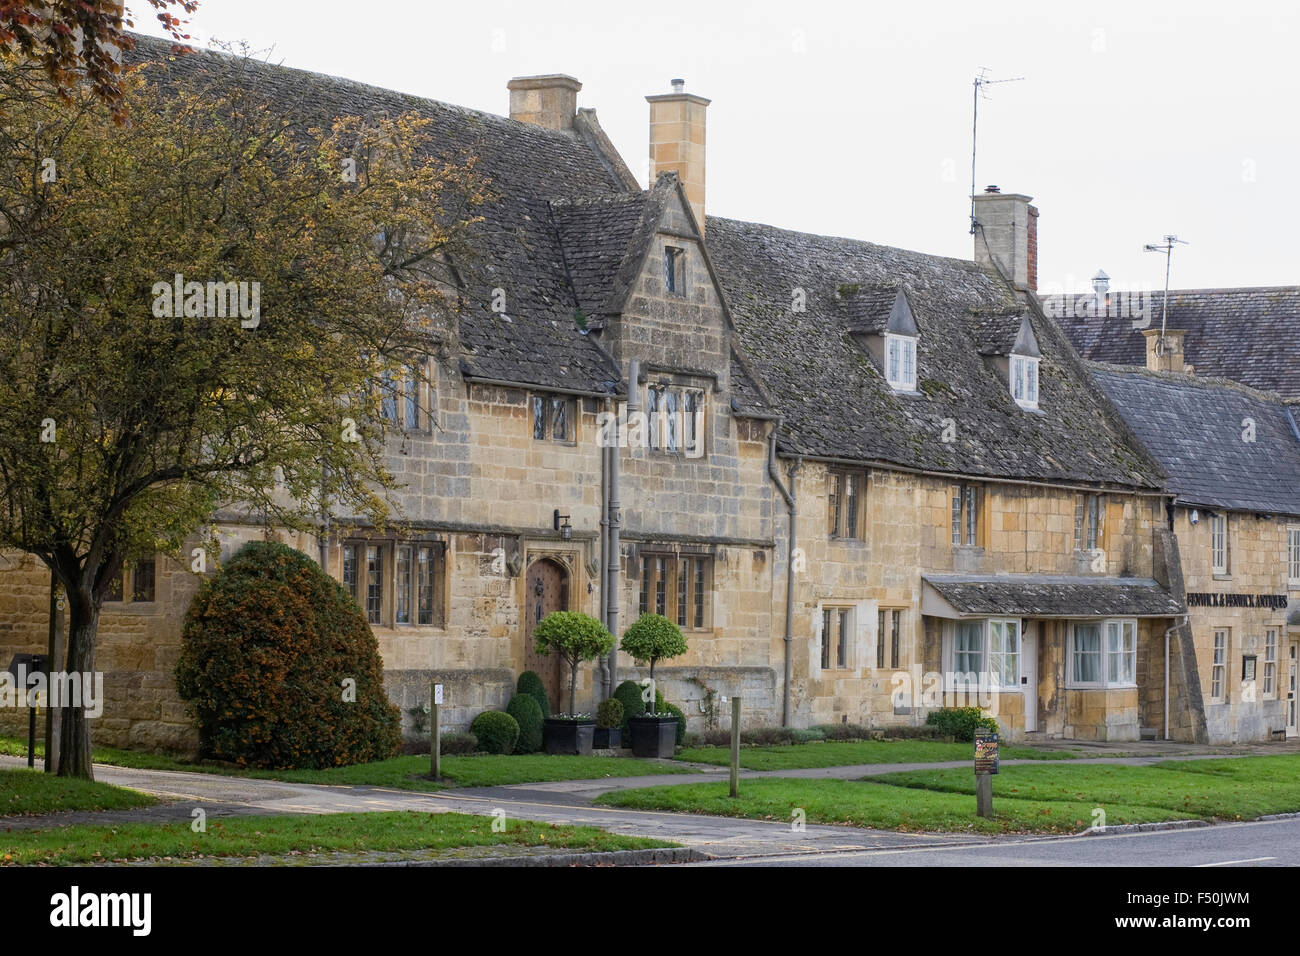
point(986, 765)
point(435, 744)
point(26, 668)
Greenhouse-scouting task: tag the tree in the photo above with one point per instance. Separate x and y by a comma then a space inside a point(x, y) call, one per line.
point(197, 311)
point(576, 637)
point(652, 637)
point(70, 39)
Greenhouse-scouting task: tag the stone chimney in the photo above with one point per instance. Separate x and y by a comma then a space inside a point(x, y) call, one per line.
point(1008, 235)
point(677, 142)
point(1165, 352)
point(550, 100)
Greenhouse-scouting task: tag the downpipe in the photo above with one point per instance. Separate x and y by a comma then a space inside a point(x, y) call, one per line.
point(775, 475)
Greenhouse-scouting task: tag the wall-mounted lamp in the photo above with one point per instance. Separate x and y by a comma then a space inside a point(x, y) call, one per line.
point(1195, 517)
point(565, 529)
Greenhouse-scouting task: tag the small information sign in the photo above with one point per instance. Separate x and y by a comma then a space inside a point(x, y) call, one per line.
point(986, 751)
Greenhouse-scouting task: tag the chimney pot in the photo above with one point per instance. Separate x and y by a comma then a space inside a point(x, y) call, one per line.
point(992, 189)
point(679, 86)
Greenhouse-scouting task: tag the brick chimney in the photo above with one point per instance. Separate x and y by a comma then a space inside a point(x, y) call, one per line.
point(1008, 235)
point(550, 100)
point(677, 142)
point(1165, 352)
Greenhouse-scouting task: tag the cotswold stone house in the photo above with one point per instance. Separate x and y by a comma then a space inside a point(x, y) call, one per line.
point(864, 481)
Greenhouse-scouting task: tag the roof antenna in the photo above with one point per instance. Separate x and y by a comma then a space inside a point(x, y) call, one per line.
point(1167, 247)
point(982, 80)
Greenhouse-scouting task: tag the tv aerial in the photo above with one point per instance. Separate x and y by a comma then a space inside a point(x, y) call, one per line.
point(981, 82)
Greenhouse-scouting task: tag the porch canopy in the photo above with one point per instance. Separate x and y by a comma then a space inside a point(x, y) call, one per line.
point(1044, 596)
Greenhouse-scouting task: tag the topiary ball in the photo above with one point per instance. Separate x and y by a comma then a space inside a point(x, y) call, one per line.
point(496, 732)
point(530, 682)
point(523, 708)
point(281, 668)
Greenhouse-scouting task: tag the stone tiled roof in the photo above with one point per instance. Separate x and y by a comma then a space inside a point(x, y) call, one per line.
point(537, 340)
point(994, 333)
point(1196, 429)
point(1251, 336)
point(865, 310)
point(835, 402)
point(597, 235)
point(1035, 595)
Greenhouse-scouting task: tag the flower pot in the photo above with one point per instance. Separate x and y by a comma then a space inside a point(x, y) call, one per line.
point(567, 736)
point(607, 738)
point(653, 736)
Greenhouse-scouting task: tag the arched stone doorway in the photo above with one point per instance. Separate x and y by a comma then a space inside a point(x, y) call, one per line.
point(547, 585)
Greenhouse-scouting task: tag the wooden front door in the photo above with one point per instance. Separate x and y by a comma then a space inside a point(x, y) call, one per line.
point(547, 583)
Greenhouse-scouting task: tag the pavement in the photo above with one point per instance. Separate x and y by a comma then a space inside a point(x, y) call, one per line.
point(728, 840)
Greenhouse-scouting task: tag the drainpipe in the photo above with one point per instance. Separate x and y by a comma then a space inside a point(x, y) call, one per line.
point(616, 522)
point(789, 569)
point(607, 688)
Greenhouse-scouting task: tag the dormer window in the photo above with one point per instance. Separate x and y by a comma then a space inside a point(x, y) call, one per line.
point(900, 361)
point(1024, 380)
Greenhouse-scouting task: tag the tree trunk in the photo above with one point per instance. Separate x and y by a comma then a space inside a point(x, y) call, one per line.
point(74, 731)
point(573, 687)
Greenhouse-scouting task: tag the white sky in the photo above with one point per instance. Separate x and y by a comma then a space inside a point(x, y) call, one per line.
point(1134, 120)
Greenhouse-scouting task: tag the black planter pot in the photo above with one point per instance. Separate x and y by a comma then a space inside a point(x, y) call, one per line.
point(607, 738)
point(653, 736)
point(567, 736)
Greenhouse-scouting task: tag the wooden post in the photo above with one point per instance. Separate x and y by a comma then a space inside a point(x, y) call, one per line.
point(735, 746)
point(984, 794)
point(435, 732)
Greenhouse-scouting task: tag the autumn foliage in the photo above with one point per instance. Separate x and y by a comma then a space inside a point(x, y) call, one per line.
point(269, 646)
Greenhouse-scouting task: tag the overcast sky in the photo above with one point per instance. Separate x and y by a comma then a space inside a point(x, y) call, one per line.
point(1133, 120)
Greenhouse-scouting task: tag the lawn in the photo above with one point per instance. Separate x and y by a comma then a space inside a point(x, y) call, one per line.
point(404, 773)
point(845, 753)
point(1040, 798)
point(432, 834)
point(24, 791)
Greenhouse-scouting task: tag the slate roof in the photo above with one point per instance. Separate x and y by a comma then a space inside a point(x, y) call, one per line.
point(1251, 336)
point(994, 333)
point(835, 402)
point(1194, 427)
point(537, 340)
point(1046, 595)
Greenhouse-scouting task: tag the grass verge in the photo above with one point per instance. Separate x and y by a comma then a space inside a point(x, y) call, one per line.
point(431, 834)
point(1027, 799)
point(847, 753)
point(403, 773)
point(24, 791)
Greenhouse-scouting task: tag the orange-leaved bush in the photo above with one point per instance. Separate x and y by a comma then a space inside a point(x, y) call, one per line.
point(281, 668)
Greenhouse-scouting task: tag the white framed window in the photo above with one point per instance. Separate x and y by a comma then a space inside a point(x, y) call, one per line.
point(1004, 654)
point(984, 653)
point(1293, 556)
point(1219, 543)
point(900, 361)
point(1024, 381)
point(1270, 662)
point(1219, 666)
point(1102, 653)
point(837, 633)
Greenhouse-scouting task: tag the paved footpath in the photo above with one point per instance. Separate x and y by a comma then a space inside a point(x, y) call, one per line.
point(565, 802)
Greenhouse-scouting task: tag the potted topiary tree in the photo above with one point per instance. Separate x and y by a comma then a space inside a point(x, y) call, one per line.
point(609, 725)
point(576, 637)
point(654, 638)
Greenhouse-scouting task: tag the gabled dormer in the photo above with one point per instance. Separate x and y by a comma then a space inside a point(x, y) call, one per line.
point(1008, 344)
point(881, 322)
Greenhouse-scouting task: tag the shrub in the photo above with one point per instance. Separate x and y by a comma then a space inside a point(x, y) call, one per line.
point(961, 722)
point(523, 708)
point(456, 744)
point(530, 682)
point(653, 638)
point(576, 637)
point(628, 694)
point(845, 731)
point(266, 648)
point(610, 714)
point(496, 732)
